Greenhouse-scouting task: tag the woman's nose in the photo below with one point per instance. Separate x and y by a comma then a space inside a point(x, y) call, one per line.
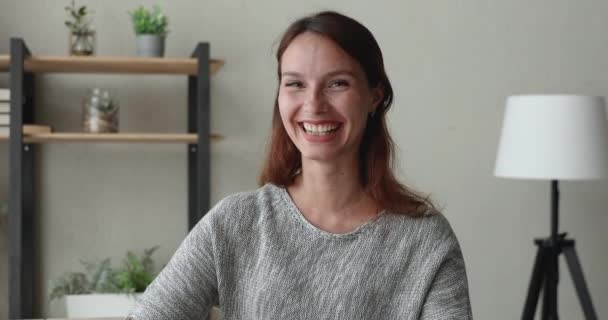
point(315, 101)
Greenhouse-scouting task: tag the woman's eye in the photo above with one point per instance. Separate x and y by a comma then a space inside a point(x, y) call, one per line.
point(294, 84)
point(338, 84)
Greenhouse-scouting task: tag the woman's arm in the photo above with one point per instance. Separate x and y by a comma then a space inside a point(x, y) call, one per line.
point(187, 287)
point(448, 297)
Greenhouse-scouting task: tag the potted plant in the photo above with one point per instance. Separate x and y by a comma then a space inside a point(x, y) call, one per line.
point(104, 291)
point(82, 37)
point(151, 30)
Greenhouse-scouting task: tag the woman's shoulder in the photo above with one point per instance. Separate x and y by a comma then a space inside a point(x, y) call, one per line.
point(245, 205)
point(251, 198)
point(432, 227)
point(435, 220)
point(428, 217)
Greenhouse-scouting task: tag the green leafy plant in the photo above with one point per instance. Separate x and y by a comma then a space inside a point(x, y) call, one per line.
point(134, 276)
point(79, 18)
point(147, 21)
point(70, 283)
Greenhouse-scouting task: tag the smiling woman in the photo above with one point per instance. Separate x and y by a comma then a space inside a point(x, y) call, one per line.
point(331, 233)
point(331, 77)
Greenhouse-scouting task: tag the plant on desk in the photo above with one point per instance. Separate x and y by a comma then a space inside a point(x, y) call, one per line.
point(104, 291)
point(136, 274)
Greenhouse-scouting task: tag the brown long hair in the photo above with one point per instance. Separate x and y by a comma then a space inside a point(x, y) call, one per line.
point(376, 153)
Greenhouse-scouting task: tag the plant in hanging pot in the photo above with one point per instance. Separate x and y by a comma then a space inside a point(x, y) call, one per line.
point(151, 31)
point(104, 291)
point(82, 37)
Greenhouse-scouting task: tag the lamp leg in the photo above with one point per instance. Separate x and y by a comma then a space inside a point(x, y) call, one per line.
point(538, 275)
point(579, 280)
point(549, 311)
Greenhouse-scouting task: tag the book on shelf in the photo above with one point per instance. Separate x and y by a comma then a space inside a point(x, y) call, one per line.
point(5, 107)
point(5, 94)
point(28, 129)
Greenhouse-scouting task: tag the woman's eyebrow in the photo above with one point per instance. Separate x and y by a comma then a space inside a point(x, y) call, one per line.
point(291, 73)
point(340, 72)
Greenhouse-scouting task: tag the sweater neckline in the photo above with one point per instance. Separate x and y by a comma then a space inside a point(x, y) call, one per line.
point(296, 213)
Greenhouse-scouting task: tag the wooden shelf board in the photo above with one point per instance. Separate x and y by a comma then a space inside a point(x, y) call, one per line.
point(97, 64)
point(112, 137)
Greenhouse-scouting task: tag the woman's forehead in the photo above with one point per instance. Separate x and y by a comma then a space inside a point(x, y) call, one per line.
point(313, 54)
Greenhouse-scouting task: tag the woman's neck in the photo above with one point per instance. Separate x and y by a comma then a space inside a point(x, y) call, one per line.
point(331, 195)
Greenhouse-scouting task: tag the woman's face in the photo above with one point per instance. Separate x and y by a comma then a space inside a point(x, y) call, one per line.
point(324, 98)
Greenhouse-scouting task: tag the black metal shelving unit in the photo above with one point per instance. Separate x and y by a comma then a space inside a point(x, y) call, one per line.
point(22, 194)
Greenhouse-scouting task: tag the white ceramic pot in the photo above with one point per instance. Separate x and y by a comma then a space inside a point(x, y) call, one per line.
point(100, 305)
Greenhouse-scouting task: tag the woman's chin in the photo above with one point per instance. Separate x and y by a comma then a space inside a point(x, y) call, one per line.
point(327, 156)
point(318, 158)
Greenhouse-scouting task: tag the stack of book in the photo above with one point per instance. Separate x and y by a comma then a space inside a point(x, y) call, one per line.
point(5, 111)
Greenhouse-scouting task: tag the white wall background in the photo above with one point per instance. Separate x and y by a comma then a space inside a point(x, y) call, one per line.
point(452, 64)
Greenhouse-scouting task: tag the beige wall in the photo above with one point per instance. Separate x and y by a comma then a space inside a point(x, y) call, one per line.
point(452, 64)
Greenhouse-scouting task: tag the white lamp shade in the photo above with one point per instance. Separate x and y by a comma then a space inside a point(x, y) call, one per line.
point(553, 137)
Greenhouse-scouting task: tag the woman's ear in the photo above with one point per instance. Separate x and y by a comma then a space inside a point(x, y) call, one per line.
point(377, 96)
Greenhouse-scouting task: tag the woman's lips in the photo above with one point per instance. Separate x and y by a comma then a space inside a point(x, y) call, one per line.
point(320, 131)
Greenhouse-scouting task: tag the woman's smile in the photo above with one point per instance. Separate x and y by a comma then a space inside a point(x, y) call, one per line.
point(320, 131)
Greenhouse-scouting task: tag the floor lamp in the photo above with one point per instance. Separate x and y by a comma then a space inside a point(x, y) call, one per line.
point(554, 137)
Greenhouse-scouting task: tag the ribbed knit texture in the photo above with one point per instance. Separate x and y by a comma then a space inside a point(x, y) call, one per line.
point(257, 257)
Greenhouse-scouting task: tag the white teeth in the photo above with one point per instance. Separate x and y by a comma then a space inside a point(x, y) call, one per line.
point(319, 130)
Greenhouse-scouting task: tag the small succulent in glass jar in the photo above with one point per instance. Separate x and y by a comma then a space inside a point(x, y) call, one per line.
point(100, 112)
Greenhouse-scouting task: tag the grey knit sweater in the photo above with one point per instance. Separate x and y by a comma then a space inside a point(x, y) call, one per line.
point(257, 257)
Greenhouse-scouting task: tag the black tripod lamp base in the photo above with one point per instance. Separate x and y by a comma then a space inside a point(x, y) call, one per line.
point(545, 276)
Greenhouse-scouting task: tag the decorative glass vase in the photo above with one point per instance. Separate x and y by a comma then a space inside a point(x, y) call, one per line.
point(82, 43)
point(100, 112)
